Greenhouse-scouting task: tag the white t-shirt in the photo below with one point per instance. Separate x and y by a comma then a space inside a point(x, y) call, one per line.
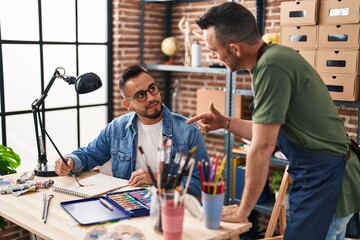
point(150, 139)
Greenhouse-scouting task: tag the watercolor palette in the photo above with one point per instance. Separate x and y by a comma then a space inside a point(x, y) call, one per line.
point(136, 202)
point(122, 205)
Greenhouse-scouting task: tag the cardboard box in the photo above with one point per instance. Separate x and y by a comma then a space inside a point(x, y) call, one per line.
point(240, 184)
point(298, 13)
point(339, 12)
point(344, 36)
point(205, 96)
point(297, 37)
point(343, 88)
point(309, 55)
point(338, 62)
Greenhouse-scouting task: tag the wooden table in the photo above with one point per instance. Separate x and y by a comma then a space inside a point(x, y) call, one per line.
point(26, 211)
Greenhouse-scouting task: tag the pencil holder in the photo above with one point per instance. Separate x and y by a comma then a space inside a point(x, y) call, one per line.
point(172, 215)
point(212, 209)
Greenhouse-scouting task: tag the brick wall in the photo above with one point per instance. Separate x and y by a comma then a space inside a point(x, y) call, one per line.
point(14, 232)
point(126, 37)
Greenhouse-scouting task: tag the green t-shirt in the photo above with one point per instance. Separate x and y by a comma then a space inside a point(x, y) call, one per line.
point(288, 91)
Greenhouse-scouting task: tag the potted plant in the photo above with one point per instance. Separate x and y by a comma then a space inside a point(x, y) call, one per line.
point(274, 184)
point(9, 161)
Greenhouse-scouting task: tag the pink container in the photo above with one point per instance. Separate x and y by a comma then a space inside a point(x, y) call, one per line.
point(172, 220)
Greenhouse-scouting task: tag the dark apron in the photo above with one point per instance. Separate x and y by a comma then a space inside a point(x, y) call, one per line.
point(316, 184)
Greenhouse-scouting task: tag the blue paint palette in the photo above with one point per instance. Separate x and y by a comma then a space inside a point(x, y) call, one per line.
point(120, 205)
point(135, 202)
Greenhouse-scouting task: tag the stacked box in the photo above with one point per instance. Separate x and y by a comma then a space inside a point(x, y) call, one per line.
point(338, 48)
point(339, 12)
point(334, 51)
point(205, 96)
point(298, 21)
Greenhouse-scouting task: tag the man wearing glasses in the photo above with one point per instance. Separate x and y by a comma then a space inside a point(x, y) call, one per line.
point(148, 124)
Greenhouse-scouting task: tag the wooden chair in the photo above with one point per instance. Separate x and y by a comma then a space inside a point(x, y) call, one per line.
point(279, 211)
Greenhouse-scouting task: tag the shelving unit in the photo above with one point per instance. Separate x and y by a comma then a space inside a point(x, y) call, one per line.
point(168, 69)
point(230, 76)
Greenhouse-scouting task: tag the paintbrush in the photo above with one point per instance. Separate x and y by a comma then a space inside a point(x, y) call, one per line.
point(185, 168)
point(147, 165)
point(63, 159)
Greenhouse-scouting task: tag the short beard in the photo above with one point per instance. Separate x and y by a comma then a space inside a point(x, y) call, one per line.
point(143, 113)
point(155, 115)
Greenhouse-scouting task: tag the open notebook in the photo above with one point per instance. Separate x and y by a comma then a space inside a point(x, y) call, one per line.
point(95, 185)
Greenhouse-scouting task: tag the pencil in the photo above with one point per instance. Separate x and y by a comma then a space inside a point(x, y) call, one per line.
point(201, 172)
point(216, 164)
point(106, 204)
point(218, 175)
point(222, 166)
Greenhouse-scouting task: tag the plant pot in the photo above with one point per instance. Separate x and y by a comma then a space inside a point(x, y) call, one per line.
point(285, 201)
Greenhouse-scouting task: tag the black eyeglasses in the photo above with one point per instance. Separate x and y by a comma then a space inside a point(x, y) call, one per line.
point(141, 96)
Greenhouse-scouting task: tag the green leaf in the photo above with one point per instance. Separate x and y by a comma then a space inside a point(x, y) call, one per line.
point(9, 160)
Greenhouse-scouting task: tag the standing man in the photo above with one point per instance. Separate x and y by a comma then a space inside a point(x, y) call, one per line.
point(293, 110)
point(147, 125)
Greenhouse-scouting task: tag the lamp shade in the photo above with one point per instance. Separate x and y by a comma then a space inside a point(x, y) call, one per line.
point(87, 82)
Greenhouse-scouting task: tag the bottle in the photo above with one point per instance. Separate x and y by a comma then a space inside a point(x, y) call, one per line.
point(196, 54)
point(155, 210)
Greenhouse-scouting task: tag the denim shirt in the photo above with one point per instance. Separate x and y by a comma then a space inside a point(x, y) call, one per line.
point(118, 142)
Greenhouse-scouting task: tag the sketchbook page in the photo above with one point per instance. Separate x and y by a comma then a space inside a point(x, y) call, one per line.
point(95, 185)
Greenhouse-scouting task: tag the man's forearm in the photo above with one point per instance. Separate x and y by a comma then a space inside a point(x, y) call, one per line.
point(257, 169)
point(240, 127)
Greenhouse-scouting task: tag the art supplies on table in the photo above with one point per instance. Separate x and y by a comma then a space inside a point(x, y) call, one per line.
point(46, 205)
point(171, 172)
point(111, 207)
point(32, 185)
point(211, 178)
point(95, 185)
point(135, 202)
point(213, 190)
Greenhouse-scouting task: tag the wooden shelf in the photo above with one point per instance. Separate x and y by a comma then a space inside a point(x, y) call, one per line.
point(264, 207)
point(274, 160)
point(180, 68)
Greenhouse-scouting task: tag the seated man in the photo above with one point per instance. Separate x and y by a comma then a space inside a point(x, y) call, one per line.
point(148, 125)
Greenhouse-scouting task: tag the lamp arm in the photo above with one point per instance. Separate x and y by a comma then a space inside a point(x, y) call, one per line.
point(38, 102)
point(40, 138)
point(40, 135)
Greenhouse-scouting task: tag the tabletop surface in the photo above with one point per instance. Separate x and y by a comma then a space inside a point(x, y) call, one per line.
point(26, 211)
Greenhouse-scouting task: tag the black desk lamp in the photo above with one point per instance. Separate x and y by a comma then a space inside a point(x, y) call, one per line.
point(85, 83)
